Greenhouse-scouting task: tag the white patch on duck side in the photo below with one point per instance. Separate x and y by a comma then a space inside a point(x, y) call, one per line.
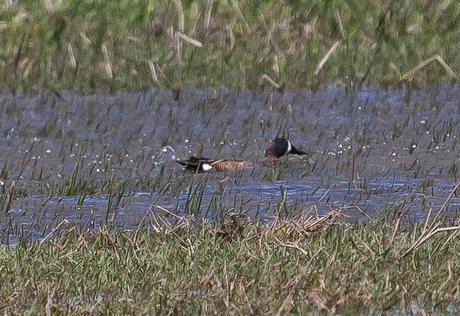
point(289, 147)
point(206, 167)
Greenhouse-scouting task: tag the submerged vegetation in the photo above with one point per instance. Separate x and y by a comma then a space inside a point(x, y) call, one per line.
point(130, 45)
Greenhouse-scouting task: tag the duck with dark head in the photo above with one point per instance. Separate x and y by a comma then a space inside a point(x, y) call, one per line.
point(280, 147)
point(277, 148)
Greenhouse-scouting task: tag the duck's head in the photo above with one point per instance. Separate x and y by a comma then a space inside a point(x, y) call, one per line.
point(280, 147)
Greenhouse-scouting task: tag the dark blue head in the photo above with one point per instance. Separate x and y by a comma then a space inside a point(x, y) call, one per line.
point(280, 147)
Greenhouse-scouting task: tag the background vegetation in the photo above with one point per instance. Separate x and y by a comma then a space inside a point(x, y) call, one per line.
point(89, 45)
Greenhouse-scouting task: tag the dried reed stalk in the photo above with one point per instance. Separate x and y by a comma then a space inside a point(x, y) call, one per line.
point(153, 72)
point(180, 13)
point(72, 60)
point(270, 81)
point(326, 57)
point(409, 75)
point(429, 230)
point(189, 40)
point(207, 15)
point(107, 64)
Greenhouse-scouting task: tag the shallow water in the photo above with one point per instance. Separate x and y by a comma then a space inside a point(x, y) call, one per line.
point(372, 152)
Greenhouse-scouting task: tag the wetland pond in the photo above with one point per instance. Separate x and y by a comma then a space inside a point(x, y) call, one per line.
point(70, 160)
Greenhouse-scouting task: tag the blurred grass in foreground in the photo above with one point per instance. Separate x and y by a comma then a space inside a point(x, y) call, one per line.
point(307, 265)
point(128, 45)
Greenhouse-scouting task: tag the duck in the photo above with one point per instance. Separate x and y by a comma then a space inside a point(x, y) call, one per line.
point(281, 146)
point(278, 147)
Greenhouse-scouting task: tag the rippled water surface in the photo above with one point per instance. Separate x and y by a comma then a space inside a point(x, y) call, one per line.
point(108, 159)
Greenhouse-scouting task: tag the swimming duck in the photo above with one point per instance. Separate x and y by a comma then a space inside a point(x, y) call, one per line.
point(277, 148)
point(280, 147)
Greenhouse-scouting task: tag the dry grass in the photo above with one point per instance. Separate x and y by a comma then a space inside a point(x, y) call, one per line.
point(311, 264)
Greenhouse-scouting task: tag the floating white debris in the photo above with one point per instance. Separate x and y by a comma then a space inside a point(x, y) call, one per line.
point(48, 151)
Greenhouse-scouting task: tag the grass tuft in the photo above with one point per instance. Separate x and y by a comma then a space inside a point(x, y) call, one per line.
point(310, 264)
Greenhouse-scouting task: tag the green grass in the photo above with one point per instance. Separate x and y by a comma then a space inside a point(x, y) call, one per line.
point(130, 45)
point(233, 265)
point(236, 266)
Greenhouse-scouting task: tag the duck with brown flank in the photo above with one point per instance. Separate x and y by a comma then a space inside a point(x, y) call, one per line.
point(277, 148)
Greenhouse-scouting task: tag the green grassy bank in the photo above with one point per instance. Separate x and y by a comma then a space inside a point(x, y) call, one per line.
point(311, 264)
point(129, 45)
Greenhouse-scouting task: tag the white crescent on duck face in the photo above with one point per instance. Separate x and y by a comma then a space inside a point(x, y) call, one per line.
point(289, 147)
point(280, 147)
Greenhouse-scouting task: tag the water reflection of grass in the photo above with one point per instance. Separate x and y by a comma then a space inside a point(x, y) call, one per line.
point(309, 264)
point(131, 45)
